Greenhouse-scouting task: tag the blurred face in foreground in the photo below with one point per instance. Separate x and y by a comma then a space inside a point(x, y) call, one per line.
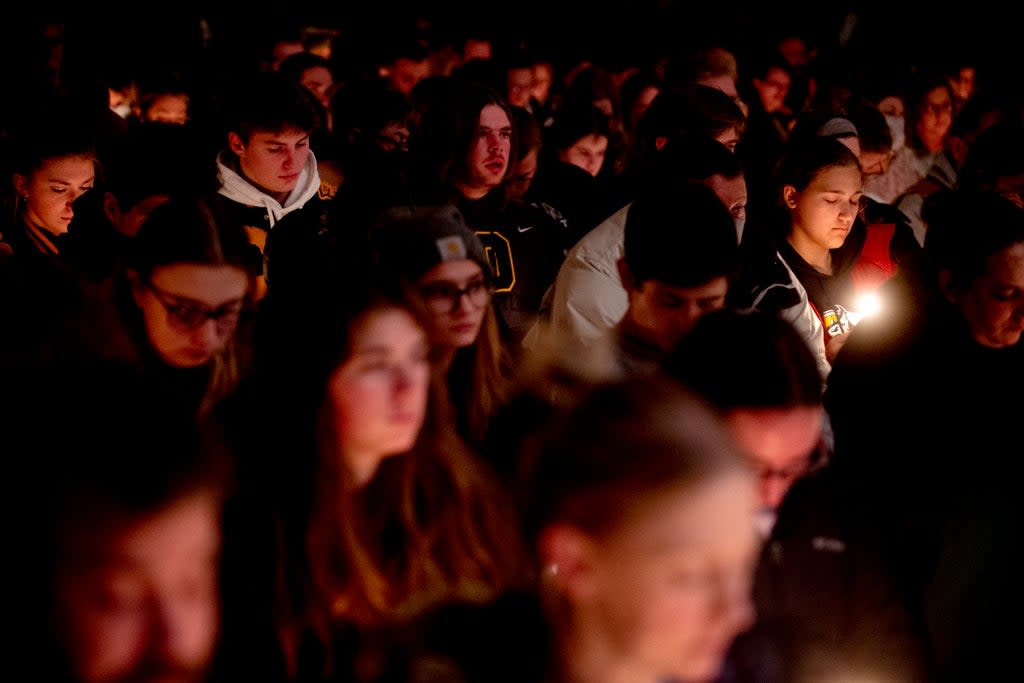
point(780, 443)
point(139, 604)
point(378, 396)
point(661, 595)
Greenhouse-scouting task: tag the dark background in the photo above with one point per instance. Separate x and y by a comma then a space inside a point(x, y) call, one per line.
point(614, 32)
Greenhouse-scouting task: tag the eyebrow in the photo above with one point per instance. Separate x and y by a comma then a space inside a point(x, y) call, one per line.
point(275, 141)
point(181, 298)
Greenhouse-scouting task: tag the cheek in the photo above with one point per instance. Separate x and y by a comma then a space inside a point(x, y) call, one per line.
point(45, 203)
point(350, 408)
point(104, 644)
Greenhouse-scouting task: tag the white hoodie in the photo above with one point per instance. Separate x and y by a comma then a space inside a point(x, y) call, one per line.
point(237, 188)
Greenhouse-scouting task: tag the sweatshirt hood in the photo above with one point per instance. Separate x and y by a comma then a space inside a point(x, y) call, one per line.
point(236, 188)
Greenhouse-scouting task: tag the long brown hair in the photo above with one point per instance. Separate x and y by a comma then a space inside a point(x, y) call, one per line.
point(479, 379)
point(431, 524)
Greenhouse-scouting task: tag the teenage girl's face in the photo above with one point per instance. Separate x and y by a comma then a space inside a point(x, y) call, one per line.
point(50, 190)
point(993, 305)
point(824, 211)
point(191, 311)
point(489, 154)
point(455, 322)
point(378, 396)
point(669, 588)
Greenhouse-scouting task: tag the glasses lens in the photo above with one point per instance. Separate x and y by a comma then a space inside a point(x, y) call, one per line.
point(439, 297)
point(227, 321)
point(444, 298)
point(185, 317)
point(478, 293)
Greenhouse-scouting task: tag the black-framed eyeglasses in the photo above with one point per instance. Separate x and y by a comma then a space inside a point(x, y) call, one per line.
point(187, 315)
point(444, 297)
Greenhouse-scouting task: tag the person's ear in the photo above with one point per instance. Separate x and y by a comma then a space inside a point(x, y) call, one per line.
point(946, 286)
point(111, 207)
point(136, 284)
point(625, 275)
point(568, 561)
point(21, 185)
point(236, 144)
point(789, 196)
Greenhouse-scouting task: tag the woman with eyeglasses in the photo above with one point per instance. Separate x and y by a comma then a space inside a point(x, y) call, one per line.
point(182, 296)
point(433, 248)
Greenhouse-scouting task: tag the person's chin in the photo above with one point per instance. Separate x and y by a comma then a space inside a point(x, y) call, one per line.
point(189, 359)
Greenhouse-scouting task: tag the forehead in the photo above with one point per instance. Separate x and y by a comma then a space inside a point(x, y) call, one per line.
point(69, 169)
point(707, 520)
point(716, 287)
point(186, 530)
point(729, 190)
point(454, 271)
point(380, 325)
point(320, 73)
point(592, 142)
point(493, 116)
point(837, 179)
point(1007, 266)
point(520, 74)
point(938, 95)
point(285, 136)
point(777, 436)
point(170, 101)
point(201, 282)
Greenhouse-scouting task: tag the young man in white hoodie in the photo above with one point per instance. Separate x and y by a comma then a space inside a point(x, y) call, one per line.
point(268, 172)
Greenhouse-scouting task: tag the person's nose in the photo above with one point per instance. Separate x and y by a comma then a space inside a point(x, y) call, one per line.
point(773, 490)
point(207, 336)
point(292, 159)
point(403, 378)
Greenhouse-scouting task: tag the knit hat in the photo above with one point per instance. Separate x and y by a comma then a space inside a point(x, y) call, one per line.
point(412, 240)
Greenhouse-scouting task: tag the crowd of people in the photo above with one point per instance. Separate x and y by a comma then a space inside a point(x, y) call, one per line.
point(465, 360)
